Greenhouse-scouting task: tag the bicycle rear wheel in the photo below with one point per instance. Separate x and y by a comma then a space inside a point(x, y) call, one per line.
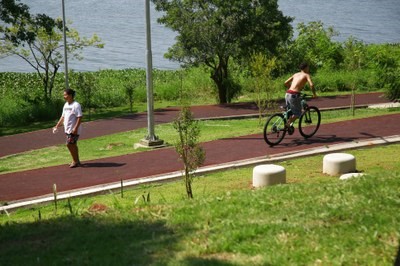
point(309, 122)
point(274, 129)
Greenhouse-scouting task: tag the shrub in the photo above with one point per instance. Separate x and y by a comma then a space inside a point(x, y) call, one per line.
point(331, 81)
point(167, 85)
point(392, 83)
point(386, 60)
point(197, 84)
point(16, 112)
point(12, 111)
point(45, 111)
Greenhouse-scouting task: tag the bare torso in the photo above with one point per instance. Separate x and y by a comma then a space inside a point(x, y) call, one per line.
point(297, 82)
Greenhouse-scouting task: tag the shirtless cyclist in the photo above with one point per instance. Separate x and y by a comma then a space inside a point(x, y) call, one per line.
point(295, 85)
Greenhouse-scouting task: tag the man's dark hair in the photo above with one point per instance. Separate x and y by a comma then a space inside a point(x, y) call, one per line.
point(70, 92)
point(303, 66)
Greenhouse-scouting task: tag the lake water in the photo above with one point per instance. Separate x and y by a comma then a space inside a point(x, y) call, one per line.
point(121, 26)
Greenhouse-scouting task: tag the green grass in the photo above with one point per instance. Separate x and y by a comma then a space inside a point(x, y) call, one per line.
point(315, 219)
point(122, 143)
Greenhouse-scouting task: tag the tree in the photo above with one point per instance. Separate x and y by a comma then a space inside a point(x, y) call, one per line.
point(11, 9)
point(85, 85)
point(213, 32)
point(12, 12)
point(314, 45)
point(38, 39)
point(261, 69)
point(354, 53)
point(187, 146)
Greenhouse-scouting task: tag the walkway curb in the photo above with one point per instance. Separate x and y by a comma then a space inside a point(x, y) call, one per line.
point(256, 115)
point(168, 177)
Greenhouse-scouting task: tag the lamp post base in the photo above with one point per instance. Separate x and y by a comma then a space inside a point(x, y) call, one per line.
point(152, 144)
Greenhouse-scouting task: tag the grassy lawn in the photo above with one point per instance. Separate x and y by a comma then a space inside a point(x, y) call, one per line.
point(122, 143)
point(314, 219)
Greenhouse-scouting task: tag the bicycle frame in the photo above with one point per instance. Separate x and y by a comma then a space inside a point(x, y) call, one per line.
point(275, 128)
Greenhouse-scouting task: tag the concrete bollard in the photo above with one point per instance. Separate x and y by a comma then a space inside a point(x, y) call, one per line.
point(338, 163)
point(268, 175)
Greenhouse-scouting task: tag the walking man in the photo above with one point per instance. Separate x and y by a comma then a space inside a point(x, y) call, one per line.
point(72, 119)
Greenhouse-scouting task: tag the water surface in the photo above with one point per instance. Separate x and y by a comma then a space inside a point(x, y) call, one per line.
point(121, 26)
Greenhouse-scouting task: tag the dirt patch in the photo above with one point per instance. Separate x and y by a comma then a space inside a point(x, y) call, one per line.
point(98, 208)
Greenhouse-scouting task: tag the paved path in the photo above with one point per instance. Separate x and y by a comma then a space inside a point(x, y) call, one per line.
point(34, 183)
point(44, 138)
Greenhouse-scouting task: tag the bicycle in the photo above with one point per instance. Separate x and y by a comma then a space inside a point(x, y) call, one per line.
point(275, 128)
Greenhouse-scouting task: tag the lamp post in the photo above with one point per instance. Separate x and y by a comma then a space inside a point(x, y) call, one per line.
point(151, 139)
point(65, 47)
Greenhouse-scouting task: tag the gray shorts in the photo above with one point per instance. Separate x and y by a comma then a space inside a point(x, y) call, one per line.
point(72, 139)
point(294, 102)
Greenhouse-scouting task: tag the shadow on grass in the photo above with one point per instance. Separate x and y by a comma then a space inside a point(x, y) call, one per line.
point(93, 240)
point(90, 240)
point(193, 261)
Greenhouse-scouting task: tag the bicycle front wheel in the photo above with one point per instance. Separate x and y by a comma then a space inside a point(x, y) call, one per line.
point(309, 122)
point(274, 129)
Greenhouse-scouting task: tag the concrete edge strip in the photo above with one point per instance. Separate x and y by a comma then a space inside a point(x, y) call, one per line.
point(203, 170)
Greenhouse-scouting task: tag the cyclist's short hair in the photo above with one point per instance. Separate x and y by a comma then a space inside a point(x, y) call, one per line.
point(303, 66)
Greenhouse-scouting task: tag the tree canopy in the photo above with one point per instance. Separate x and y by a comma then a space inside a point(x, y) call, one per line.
point(38, 39)
point(212, 32)
point(14, 13)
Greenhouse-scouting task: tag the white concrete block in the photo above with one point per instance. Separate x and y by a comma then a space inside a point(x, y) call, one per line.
point(350, 175)
point(338, 163)
point(268, 175)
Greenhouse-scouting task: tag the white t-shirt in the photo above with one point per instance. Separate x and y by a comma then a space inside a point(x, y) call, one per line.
point(71, 112)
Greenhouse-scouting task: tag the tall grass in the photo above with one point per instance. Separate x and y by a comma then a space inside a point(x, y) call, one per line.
point(17, 112)
point(341, 81)
point(21, 99)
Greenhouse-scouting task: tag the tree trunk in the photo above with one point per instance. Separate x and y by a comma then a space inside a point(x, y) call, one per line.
point(45, 81)
point(185, 158)
point(188, 182)
point(221, 91)
point(52, 79)
point(353, 100)
point(219, 75)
